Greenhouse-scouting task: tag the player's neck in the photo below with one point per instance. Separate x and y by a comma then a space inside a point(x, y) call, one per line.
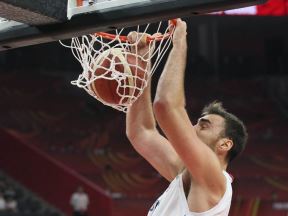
point(223, 163)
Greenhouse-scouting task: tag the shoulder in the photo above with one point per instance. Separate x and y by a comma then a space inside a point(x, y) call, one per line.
point(213, 190)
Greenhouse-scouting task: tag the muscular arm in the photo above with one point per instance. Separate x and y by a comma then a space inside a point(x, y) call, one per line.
point(170, 112)
point(142, 132)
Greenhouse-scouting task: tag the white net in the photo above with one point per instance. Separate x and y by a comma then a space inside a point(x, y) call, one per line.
point(116, 71)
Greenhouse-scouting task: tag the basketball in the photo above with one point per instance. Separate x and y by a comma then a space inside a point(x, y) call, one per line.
point(119, 76)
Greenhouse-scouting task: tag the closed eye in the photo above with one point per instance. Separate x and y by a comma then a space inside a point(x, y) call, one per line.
point(204, 123)
point(204, 126)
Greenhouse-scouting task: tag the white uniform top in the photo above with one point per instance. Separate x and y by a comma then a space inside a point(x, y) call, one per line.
point(79, 201)
point(173, 201)
point(2, 204)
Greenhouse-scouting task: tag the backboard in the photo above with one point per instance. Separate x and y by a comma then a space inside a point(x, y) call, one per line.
point(42, 21)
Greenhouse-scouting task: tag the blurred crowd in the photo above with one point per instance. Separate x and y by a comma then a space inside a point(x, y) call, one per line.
point(8, 201)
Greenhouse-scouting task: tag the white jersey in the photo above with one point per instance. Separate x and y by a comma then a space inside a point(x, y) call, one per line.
point(79, 201)
point(173, 201)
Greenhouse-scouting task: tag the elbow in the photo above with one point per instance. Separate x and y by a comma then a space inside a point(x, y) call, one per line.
point(169, 101)
point(140, 140)
point(163, 107)
point(133, 138)
point(163, 110)
point(160, 107)
point(131, 134)
point(134, 134)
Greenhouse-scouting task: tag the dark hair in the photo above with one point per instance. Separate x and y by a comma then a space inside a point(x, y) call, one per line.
point(234, 128)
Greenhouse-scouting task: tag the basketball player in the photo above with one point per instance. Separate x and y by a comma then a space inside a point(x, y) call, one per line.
point(192, 157)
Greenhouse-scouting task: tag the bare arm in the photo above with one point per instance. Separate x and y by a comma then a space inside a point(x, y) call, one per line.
point(170, 112)
point(143, 135)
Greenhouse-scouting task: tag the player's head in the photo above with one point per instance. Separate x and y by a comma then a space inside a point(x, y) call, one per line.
point(221, 131)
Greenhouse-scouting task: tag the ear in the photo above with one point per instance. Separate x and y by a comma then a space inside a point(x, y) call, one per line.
point(225, 145)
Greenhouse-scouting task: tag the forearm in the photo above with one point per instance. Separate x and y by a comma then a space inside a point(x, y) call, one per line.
point(146, 140)
point(170, 87)
point(140, 115)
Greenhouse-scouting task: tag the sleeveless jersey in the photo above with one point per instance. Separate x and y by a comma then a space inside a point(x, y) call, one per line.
point(173, 201)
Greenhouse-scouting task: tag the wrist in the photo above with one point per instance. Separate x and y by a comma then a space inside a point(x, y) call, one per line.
point(180, 44)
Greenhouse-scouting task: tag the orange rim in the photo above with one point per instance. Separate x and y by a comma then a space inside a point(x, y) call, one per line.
point(151, 38)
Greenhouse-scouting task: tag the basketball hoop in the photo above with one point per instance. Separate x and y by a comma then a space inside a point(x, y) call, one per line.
point(102, 54)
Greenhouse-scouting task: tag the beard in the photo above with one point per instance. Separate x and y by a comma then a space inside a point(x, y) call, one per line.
point(211, 142)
